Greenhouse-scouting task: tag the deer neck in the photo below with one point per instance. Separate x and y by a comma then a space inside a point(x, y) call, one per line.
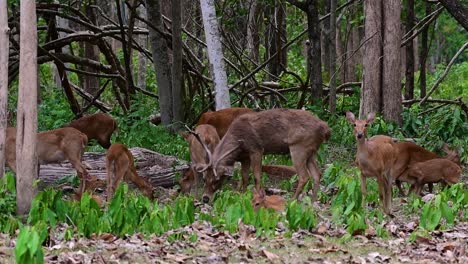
point(362, 145)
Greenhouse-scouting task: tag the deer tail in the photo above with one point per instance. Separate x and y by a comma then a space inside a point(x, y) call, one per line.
point(326, 132)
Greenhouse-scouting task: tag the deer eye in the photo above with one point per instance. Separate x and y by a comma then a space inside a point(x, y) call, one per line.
point(365, 125)
point(354, 125)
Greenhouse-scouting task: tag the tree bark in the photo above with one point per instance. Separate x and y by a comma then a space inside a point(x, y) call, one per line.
point(215, 54)
point(4, 43)
point(162, 66)
point(315, 50)
point(26, 155)
point(332, 46)
point(409, 69)
point(371, 100)
point(458, 10)
point(253, 39)
point(391, 84)
point(91, 51)
point(424, 54)
point(177, 74)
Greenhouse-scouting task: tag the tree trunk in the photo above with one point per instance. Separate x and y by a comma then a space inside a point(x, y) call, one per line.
point(141, 74)
point(332, 97)
point(26, 135)
point(371, 100)
point(458, 10)
point(424, 54)
point(215, 54)
point(409, 69)
point(162, 66)
point(315, 50)
point(391, 84)
point(4, 43)
point(326, 39)
point(177, 74)
point(91, 51)
point(253, 39)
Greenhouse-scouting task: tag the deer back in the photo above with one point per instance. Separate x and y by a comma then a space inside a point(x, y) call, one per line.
point(222, 119)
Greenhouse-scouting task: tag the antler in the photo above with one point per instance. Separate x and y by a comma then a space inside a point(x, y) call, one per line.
point(205, 147)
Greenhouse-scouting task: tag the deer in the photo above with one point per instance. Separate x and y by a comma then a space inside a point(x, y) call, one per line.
point(222, 119)
point(433, 171)
point(120, 166)
point(375, 158)
point(260, 199)
point(207, 134)
point(53, 146)
point(276, 131)
point(98, 126)
point(409, 153)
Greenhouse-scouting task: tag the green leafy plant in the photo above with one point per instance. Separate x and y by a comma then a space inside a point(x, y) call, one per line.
point(28, 247)
point(301, 215)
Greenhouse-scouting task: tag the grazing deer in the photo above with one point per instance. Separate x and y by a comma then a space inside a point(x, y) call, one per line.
point(53, 146)
point(222, 119)
point(433, 171)
point(409, 153)
point(275, 131)
point(260, 199)
point(96, 126)
point(198, 156)
point(375, 158)
point(119, 166)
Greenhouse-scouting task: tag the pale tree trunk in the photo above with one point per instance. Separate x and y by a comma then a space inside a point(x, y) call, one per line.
point(91, 51)
point(26, 133)
point(424, 54)
point(326, 39)
point(370, 93)
point(332, 97)
point(177, 75)
point(4, 43)
point(162, 66)
point(409, 52)
point(215, 54)
point(391, 84)
point(252, 32)
point(61, 23)
point(141, 74)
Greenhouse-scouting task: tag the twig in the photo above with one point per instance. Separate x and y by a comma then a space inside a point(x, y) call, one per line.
point(444, 74)
point(434, 15)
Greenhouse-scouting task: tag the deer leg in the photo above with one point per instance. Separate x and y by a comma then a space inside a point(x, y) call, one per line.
point(245, 175)
point(363, 188)
point(315, 173)
point(383, 193)
point(256, 162)
point(110, 167)
point(299, 158)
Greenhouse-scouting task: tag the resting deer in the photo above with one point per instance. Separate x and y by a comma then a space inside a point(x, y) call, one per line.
point(119, 166)
point(52, 147)
point(375, 158)
point(260, 199)
point(198, 156)
point(222, 119)
point(96, 126)
point(275, 131)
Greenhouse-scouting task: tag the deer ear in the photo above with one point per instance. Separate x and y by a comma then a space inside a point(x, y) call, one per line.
point(350, 117)
point(370, 118)
point(185, 135)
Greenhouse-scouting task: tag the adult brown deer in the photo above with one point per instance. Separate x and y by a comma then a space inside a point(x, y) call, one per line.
point(375, 158)
point(53, 146)
point(198, 156)
point(276, 131)
point(222, 119)
point(96, 126)
point(433, 171)
point(260, 199)
point(119, 166)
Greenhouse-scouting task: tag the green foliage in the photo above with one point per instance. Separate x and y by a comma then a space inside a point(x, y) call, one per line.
point(8, 222)
point(28, 247)
point(301, 215)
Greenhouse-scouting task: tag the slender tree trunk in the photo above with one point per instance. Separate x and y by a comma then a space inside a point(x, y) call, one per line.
point(391, 84)
point(162, 66)
point(26, 133)
point(371, 100)
point(252, 32)
point(326, 39)
point(332, 97)
point(177, 74)
point(409, 69)
point(4, 43)
point(424, 54)
point(315, 50)
point(141, 74)
point(215, 54)
point(91, 51)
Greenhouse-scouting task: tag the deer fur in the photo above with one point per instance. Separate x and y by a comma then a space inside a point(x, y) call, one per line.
point(52, 146)
point(260, 199)
point(222, 119)
point(275, 131)
point(96, 126)
point(120, 166)
point(198, 156)
point(375, 158)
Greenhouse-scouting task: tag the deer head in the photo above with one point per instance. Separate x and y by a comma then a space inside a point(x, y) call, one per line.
point(360, 126)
